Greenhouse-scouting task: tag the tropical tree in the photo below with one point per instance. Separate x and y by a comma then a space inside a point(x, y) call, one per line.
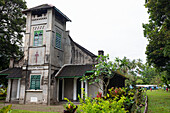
point(103, 71)
point(151, 75)
point(157, 31)
point(12, 24)
point(139, 80)
point(124, 65)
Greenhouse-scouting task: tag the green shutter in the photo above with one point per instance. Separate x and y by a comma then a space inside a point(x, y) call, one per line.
point(35, 82)
point(58, 40)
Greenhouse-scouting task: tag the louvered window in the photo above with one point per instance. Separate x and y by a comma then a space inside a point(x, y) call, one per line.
point(58, 40)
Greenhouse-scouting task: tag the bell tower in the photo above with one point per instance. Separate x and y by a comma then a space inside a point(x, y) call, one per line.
point(43, 51)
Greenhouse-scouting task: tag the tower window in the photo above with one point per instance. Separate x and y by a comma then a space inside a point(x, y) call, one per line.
point(38, 38)
point(58, 40)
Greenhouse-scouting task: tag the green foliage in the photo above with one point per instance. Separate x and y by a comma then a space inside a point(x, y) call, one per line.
point(100, 105)
point(140, 98)
point(131, 68)
point(148, 73)
point(12, 27)
point(70, 107)
point(165, 79)
point(157, 32)
point(118, 93)
point(103, 72)
point(3, 92)
point(6, 109)
point(139, 80)
point(117, 100)
point(4, 80)
point(151, 75)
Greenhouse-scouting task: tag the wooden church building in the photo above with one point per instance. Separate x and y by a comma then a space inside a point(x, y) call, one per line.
point(52, 64)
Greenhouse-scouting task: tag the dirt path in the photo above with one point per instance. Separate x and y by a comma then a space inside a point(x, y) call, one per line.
point(33, 107)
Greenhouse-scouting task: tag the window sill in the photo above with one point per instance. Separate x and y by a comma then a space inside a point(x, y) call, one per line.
point(36, 46)
point(58, 49)
point(33, 90)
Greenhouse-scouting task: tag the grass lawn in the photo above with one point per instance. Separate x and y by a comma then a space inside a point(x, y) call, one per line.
point(158, 101)
point(25, 111)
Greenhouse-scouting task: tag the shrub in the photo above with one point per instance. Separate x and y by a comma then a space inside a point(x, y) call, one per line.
point(3, 92)
point(70, 107)
point(6, 109)
point(99, 105)
point(116, 101)
point(117, 93)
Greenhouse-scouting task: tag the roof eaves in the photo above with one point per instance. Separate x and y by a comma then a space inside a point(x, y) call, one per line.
point(36, 7)
point(62, 14)
point(60, 69)
point(46, 6)
point(89, 71)
point(119, 73)
point(3, 70)
point(13, 77)
point(68, 76)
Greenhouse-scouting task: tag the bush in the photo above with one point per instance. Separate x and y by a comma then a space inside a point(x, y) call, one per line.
point(3, 92)
point(117, 93)
point(6, 109)
point(99, 105)
point(70, 107)
point(117, 100)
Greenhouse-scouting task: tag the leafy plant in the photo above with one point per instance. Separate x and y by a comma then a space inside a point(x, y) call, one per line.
point(6, 109)
point(118, 93)
point(12, 29)
point(100, 105)
point(157, 31)
point(3, 92)
point(70, 107)
point(117, 100)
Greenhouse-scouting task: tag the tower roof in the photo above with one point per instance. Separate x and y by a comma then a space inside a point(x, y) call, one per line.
point(46, 6)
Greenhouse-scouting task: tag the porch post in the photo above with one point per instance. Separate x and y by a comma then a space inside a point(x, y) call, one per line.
point(63, 89)
point(8, 91)
point(57, 89)
point(82, 90)
point(86, 87)
point(75, 89)
point(18, 88)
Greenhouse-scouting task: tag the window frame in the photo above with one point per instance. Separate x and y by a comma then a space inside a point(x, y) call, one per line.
point(38, 44)
point(34, 88)
point(58, 46)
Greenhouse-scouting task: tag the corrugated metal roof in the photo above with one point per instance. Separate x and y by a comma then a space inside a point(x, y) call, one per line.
point(12, 72)
point(74, 70)
point(71, 71)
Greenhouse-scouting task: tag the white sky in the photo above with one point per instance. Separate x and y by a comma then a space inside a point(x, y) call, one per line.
point(114, 26)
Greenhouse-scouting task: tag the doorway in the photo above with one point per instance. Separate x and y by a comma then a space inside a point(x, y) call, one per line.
point(60, 89)
point(78, 87)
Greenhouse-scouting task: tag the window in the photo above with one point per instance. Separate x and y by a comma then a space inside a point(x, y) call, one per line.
point(58, 40)
point(35, 82)
point(38, 38)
